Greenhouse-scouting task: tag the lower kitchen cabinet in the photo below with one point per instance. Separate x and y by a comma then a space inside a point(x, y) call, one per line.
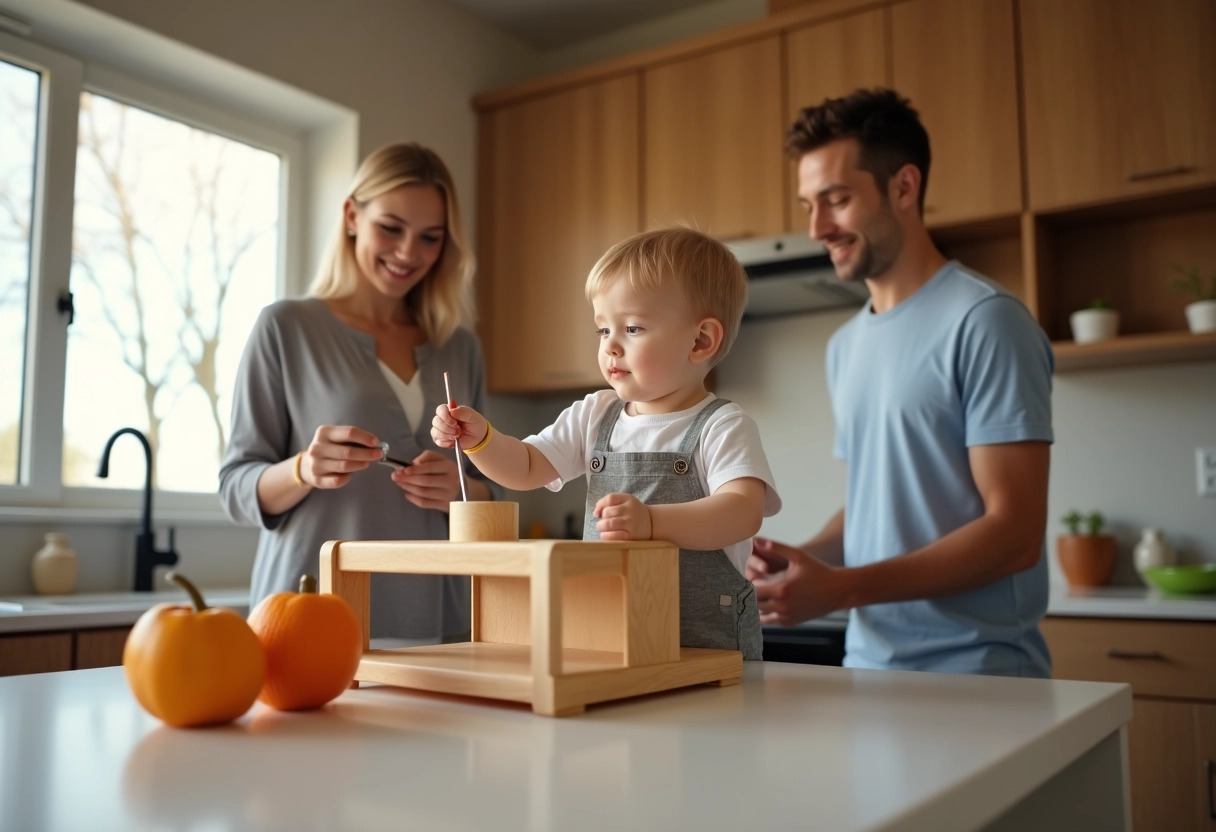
point(69, 650)
point(40, 653)
point(1172, 735)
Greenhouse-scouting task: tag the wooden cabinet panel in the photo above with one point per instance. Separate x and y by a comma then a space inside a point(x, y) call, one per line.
point(713, 133)
point(1205, 765)
point(1157, 658)
point(1120, 98)
point(100, 648)
point(829, 60)
point(955, 60)
point(1169, 740)
point(1168, 771)
point(558, 186)
point(42, 653)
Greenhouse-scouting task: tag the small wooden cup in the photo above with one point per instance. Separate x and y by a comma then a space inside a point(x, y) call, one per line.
point(483, 520)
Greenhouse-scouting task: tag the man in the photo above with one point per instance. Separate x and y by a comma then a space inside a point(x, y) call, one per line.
point(941, 391)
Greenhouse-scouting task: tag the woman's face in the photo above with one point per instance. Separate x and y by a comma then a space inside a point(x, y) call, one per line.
point(398, 237)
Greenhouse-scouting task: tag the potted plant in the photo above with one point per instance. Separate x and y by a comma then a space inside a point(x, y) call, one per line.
point(1200, 313)
point(1094, 323)
point(1087, 557)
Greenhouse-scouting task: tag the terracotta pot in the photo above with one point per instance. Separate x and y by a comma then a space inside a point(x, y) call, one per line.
point(1086, 559)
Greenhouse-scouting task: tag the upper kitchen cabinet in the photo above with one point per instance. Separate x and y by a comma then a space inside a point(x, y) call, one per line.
point(713, 133)
point(558, 185)
point(1118, 98)
point(955, 60)
point(829, 60)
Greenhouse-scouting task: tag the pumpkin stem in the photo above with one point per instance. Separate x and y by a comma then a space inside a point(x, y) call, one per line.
point(196, 597)
point(308, 584)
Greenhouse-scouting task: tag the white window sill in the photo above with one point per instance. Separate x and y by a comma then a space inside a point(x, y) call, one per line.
point(19, 515)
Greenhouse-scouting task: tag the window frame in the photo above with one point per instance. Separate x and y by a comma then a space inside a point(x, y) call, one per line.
point(63, 79)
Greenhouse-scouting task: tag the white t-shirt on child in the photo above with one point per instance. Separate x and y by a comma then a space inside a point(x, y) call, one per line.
point(729, 448)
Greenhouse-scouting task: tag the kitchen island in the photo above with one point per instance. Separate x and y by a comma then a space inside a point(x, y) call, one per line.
point(792, 746)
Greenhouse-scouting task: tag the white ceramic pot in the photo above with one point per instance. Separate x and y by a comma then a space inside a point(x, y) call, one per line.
point(1094, 325)
point(1201, 316)
point(1152, 550)
point(54, 566)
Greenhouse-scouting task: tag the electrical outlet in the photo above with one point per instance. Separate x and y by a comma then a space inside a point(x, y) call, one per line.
point(1205, 471)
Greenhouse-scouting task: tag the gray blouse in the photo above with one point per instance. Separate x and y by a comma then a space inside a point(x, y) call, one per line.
point(303, 368)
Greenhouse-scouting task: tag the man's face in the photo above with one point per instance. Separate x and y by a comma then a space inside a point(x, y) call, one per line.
point(847, 212)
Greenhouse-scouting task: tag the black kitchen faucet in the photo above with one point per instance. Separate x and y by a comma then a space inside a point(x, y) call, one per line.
point(147, 556)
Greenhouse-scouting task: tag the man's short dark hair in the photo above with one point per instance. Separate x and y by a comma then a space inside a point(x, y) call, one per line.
point(883, 123)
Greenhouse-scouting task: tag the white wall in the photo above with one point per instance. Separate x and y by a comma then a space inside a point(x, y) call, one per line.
point(669, 28)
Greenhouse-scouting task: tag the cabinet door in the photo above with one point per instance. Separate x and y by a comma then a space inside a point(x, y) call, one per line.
point(1120, 98)
point(955, 60)
point(829, 60)
point(1166, 743)
point(43, 653)
point(100, 648)
point(1205, 765)
point(713, 142)
point(558, 185)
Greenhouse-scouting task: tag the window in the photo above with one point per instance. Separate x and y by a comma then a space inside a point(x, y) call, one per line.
point(18, 138)
point(174, 252)
point(160, 227)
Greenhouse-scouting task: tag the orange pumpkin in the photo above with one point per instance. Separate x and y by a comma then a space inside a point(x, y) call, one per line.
point(193, 666)
point(313, 645)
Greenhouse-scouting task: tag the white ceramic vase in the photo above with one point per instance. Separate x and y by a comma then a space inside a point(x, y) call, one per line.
point(1152, 550)
point(54, 566)
point(1201, 316)
point(1090, 325)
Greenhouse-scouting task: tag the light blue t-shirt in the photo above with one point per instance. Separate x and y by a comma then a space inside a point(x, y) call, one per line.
point(959, 363)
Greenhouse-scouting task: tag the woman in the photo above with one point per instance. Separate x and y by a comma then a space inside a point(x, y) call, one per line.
point(325, 379)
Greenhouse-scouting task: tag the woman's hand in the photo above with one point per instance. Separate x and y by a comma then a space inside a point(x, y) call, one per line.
point(432, 481)
point(336, 452)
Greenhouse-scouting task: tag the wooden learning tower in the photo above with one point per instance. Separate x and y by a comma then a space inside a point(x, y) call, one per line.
point(558, 624)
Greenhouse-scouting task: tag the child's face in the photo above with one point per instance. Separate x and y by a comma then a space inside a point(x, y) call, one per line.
point(646, 340)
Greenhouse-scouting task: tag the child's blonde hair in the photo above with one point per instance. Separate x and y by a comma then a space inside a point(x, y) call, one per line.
point(442, 301)
point(712, 279)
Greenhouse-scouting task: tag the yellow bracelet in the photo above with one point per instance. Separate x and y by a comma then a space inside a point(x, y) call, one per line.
point(295, 472)
point(485, 440)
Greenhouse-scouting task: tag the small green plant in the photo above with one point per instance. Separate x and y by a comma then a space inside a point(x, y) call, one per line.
point(1192, 284)
point(1094, 521)
point(1099, 303)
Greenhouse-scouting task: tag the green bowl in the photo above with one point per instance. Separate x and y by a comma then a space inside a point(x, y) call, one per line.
point(1200, 577)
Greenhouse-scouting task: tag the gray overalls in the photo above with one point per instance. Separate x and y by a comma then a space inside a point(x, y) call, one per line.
point(717, 604)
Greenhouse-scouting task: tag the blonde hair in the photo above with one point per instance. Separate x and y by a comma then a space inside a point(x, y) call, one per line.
point(712, 280)
point(442, 301)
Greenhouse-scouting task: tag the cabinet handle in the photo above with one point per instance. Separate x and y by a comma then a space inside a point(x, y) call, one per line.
point(1176, 170)
point(1116, 653)
point(1207, 769)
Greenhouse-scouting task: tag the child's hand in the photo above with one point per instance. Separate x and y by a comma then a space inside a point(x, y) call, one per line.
point(461, 423)
point(622, 517)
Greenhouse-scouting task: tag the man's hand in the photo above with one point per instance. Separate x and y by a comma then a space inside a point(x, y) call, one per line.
point(622, 517)
point(792, 586)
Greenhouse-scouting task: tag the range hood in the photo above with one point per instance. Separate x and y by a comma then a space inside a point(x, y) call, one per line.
point(792, 273)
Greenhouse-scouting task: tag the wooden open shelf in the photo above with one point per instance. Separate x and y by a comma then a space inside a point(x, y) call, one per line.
point(558, 624)
point(1130, 350)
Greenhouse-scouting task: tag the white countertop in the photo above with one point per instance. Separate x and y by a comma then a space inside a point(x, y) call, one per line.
point(40, 613)
point(1130, 602)
point(793, 746)
point(28, 613)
